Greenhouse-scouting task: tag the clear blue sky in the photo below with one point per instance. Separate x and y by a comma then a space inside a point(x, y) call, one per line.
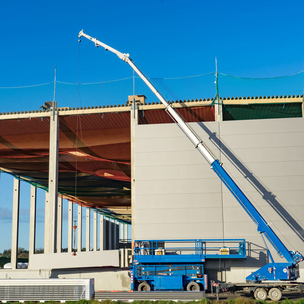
point(165, 38)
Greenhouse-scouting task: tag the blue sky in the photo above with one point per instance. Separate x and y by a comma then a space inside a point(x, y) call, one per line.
point(165, 38)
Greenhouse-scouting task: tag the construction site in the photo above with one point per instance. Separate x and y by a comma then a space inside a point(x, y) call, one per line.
point(143, 185)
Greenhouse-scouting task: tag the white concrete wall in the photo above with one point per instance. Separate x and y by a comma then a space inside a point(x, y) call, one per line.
point(179, 196)
point(104, 258)
point(104, 278)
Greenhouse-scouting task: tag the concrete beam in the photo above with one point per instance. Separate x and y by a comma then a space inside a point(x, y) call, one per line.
point(193, 103)
point(82, 259)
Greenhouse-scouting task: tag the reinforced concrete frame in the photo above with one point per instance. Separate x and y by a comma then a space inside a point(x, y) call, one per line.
point(53, 228)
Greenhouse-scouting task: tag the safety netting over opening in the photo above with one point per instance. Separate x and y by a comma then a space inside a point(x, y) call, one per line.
point(94, 157)
point(262, 111)
point(94, 149)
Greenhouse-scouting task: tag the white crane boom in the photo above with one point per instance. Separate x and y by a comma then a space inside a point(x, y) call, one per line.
point(186, 129)
point(288, 270)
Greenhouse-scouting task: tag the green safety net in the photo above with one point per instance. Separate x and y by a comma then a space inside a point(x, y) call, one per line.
point(262, 111)
point(116, 91)
point(97, 171)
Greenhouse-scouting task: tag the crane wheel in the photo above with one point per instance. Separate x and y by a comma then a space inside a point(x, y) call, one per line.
point(260, 294)
point(193, 286)
point(144, 286)
point(275, 294)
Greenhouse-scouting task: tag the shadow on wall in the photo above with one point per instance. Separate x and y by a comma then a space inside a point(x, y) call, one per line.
point(267, 195)
point(257, 256)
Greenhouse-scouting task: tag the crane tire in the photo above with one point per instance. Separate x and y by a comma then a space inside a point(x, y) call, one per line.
point(275, 294)
point(144, 286)
point(260, 294)
point(193, 286)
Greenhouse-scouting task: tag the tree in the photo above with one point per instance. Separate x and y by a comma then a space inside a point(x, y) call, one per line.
point(22, 253)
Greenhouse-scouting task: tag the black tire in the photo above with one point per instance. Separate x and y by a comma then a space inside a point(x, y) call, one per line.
point(144, 286)
point(260, 294)
point(275, 294)
point(193, 286)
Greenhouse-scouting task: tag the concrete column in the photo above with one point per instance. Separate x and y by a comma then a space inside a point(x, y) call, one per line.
point(101, 232)
point(59, 224)
point(126, 231)
point(134, 101)
point(32, 220)
point(46, 222)
point(51, 204)
point(121, 240)
point(15, 223)
point(106, 233)
point(110, 234)
point(121, 232)
point(88, 220)
point(115, 236)
point(79, 227)
point(95, 231)
point(218, 109)
point(126, 249)
point(70, 227)
point(124, 261)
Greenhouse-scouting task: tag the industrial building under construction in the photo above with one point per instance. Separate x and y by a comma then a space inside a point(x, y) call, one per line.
point(131, 163)
point(135, 164)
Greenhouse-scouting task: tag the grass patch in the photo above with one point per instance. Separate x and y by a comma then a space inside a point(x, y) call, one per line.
point(241, 300)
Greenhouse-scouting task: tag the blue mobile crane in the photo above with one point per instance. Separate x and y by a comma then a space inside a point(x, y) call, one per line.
point(274, 272)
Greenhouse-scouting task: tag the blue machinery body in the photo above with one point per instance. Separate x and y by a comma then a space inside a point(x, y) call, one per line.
point(179, 264)
point(272, 271)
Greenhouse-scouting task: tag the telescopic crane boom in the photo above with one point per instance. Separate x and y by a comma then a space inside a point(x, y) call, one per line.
point(271, 271)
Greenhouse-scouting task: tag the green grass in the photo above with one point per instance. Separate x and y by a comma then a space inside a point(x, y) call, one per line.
point(203, 301)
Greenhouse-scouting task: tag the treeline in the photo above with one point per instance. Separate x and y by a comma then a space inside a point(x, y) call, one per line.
point(22, 253)
point(23, 256)
point(4, 260)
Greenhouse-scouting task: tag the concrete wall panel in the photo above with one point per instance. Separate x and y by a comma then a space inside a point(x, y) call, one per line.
point(174, 231)
point(174, 186)
point(192, 200)
point(181, 215)
point(178, 196)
